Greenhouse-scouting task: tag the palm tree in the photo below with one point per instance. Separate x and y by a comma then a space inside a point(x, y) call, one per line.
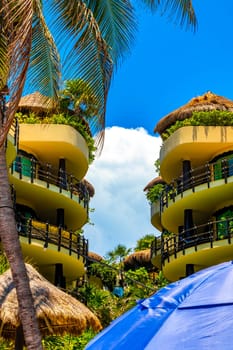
point(91, 36)
point(118, 253)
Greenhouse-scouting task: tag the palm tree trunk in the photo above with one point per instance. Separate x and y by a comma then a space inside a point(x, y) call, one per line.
point(12, 249)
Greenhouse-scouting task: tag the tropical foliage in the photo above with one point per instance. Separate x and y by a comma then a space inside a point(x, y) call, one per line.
point(153, 194)
point(144, 242)
point(65, 119)
point(202, 118)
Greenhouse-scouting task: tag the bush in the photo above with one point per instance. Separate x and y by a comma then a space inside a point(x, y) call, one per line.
point(202, 118)
point(64, 119)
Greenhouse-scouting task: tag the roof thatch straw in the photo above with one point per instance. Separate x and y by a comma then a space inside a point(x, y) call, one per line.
point(58, 313)
point(90, 187)
point(206, 102)
point(94, 256)
point(36, 102)
point(138, 259)
point(157, 180)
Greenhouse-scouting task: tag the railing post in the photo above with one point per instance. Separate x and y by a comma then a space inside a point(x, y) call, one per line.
point(47, 174)
point(71, 185)
point(78, 245)
point(70, 242)
point(19, 161)
point(211, 233)
point(228, 231)
point(175, 246)
point(224, 169)
point(208, 174)
point(46, 235)
point(59, 238)
point(29, 229)
point(32, 170)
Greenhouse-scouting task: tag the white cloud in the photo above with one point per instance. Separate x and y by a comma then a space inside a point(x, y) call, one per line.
point(122, 213)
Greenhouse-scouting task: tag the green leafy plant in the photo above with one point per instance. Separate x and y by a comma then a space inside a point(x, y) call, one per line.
point(154, 193)
point(202, 118)
point(65, 119)
point(107, 275)
point(144, 242)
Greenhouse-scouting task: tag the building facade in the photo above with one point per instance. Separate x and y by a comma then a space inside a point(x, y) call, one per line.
point(194, 211)
point(51, 197)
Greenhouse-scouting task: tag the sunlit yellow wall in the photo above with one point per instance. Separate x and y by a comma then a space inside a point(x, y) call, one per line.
point(199, 144)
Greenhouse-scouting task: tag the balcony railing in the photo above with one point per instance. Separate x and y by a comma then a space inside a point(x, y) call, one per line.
point(50, 234)
point(222, 169)
point(35, 170)
point(207, 233)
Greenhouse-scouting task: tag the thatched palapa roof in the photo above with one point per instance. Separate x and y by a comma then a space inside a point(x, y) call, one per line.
point(206, 102)
point(57, 312)
point(138, 259)
point(94, 256)
point(36, 102)
point(90, 187)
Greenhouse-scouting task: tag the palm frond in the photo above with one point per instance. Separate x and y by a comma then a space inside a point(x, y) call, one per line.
point(44, 68)
point(178, 10)
point(85, 53)
point(16, 17)
point(117, 25)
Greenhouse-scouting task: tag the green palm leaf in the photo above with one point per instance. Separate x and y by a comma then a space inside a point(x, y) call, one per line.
point(117, 24)
point(85, 54)
point(44, 73)
point(178, 10)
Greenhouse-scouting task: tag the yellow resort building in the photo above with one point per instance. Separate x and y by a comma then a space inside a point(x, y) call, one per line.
point(47, 166)
point(194, 208)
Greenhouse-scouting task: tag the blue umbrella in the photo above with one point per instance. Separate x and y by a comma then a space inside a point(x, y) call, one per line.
point(193, 313)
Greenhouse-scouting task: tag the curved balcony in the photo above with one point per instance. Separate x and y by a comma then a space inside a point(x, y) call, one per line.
point(201, 246)
point(156, 215)
point(47, 245)
point(50, 142)
point(198, 143)
point(208, 188)
point(36, 183)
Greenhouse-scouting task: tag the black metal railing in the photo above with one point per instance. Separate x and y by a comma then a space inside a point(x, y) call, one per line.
point(210, 232)
point(222, 169)
point(56, 235)
point(49, 175)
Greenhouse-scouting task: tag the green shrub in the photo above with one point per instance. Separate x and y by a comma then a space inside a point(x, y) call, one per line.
point(154, 193)
point(64, 119)
point(202, 118)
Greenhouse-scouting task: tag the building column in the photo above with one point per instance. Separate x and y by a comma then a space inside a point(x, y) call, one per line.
point(189, 269)
point(59, 279)
point(60, 217)
point(188, 223)
point(62, 174)
point(186, 174)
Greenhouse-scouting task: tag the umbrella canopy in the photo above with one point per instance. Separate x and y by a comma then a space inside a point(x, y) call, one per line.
point(193, 313)
point(57, 312)
point(206, 102)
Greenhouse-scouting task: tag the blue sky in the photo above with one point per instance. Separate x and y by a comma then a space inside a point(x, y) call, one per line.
point(166, 68)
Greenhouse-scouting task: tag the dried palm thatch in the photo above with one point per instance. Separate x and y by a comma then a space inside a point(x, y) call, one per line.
point(206, 102)
point(138, 259)
point(157, 180)
point(58, 313)
point(36, 102)
point(90, 187)
point(94, 256)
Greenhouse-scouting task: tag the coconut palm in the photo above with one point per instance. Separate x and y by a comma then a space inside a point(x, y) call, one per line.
point(91, 36)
